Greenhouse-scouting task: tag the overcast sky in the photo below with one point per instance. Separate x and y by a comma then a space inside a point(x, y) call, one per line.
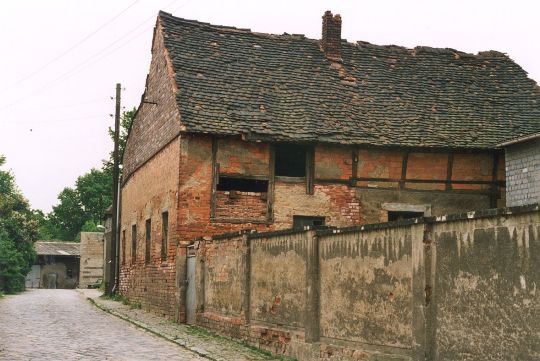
point(61, 60)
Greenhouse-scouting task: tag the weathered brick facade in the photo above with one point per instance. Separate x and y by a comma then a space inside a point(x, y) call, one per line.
point(209, 182)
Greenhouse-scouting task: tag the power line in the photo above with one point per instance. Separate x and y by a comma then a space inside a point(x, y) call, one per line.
point(88, 62)
point(81, 66)
point(38, 70)
point(61, 120)
point(71, 105)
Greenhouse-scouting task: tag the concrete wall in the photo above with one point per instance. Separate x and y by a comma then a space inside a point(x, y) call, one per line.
point(485, 289)
point(460, 287)
point(91, 261)
point(523, 173)
point(59, 265)
point(372, 273)
point(278, 280)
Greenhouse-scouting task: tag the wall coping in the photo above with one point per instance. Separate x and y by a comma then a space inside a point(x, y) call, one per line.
point(325, 230)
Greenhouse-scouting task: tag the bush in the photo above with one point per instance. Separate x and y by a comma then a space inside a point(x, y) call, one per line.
point(18, 231)
point(13, 268)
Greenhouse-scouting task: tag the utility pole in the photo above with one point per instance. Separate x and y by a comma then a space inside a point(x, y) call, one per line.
point(112, 284)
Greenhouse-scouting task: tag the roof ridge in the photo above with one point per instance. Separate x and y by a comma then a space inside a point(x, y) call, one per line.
point(164, 14)
point(482, 54)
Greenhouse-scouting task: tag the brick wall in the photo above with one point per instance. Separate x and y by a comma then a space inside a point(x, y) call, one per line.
point(523, 173)
point(241, 205)
point(92, 256)
point(336, 202)
point(331, 35)
point(152, 190)
point(154, 125)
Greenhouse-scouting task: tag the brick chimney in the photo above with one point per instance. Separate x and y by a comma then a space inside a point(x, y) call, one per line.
point(331, 35)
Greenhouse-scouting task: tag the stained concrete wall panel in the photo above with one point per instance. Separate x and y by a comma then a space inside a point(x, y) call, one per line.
point(240, 157)
point(278, 280)
point(225, 277)
point(486, 288)
point(333, 162)
point(366, 285)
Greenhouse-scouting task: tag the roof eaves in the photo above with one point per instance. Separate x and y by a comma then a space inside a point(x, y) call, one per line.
point(519, 140)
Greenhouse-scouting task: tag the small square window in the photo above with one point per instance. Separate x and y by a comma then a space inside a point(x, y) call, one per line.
point(290, 160)
point(400, 215)
point(299, 222)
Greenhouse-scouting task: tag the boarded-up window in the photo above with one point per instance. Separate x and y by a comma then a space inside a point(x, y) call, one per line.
point(164, 234)
point(242, 185)
point(148, 243)
point(133, 243)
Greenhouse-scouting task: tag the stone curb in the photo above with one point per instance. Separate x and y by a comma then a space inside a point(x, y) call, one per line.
point(147, 328)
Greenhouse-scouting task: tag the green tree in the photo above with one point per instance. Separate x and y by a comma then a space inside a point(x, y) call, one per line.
point(95, 193)
point(68, 216)
point(18, 231)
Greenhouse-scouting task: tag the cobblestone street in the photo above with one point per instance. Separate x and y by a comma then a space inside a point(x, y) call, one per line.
point(62, 325)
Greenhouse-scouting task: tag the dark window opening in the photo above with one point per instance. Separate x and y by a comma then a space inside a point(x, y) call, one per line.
point(164, 234)
point(133, 243)
point(123, 246)
point(399, 215)
point(290, 160)
point(303, 221)
point(148, 229)
point(242, 185)
point(69, 272)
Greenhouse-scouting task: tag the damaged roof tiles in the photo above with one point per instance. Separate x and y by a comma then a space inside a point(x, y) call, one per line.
point(283, 88)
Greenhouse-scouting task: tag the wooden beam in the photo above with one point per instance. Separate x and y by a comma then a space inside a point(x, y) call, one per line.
point(271, 183)
point(404, 170)
point(310, 170)
point(354, 168)
point(439, 181)
point(449, 171)
point(215, 177)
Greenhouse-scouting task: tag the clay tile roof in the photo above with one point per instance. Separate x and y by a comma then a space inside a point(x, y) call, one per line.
point(282, 88)
point(51, 248)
